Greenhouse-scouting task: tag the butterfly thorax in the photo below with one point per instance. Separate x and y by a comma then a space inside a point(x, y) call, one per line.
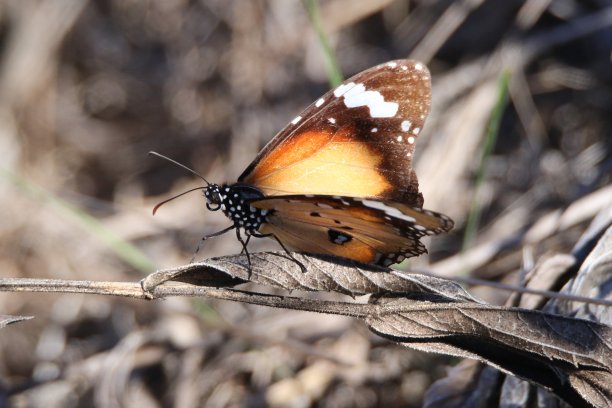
point(234, 200)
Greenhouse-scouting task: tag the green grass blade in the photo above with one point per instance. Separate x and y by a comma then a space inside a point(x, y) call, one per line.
point(331, 63)
point(471, 227)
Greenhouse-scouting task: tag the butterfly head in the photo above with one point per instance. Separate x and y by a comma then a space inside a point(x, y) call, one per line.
point(234, 200)
point(214, 199)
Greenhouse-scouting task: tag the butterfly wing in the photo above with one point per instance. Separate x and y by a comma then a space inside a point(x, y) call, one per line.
point(366, 230)
point(357, 140)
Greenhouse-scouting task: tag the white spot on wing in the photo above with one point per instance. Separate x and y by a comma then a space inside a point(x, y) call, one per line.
point(406, 125)
point(319, 102)
point(374, 130)
point(341, 239)
point(296, 120)
point(416, 131)
point(341, 90)
point(399, 138)
point(418, 66)
point(411, 140)
point(354, 90)
point(392, 64)
point(387, 209)
point(331, 120)
point(357, 96)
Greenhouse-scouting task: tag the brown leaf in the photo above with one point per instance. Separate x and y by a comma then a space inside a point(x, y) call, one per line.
point(569, 356)
point(591, 255)
point(593, 280)
point(323, 273)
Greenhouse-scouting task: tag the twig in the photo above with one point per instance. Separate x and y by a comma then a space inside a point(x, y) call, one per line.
point(515, 288)
point(135, 290)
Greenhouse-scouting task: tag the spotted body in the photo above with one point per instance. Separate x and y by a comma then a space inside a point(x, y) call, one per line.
point(338, 179)
point(234, 201)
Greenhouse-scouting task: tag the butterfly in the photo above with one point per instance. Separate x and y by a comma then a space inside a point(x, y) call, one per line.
point(338, 179)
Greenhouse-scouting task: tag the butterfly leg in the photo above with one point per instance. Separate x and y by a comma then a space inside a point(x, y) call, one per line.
point(301, 265)
point(244, 247)
point(205, 237)
point(246, 244)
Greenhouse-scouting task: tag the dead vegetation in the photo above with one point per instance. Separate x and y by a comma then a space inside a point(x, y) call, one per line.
point(88, 88)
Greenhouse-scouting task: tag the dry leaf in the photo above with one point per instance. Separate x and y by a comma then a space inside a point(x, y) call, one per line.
point(569, 356)
point(324, 273)
point(588, 382)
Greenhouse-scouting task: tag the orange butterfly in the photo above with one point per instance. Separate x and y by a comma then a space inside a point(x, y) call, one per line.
point(338, 179)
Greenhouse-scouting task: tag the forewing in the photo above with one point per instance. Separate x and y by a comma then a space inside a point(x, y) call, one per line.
point(357, 140)
point(366, 230)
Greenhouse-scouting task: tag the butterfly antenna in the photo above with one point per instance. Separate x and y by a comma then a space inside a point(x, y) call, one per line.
point(172, 198)
point(180, 165)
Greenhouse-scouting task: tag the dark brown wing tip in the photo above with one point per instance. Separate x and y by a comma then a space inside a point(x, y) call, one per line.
point(410, 64)
point(448, 223)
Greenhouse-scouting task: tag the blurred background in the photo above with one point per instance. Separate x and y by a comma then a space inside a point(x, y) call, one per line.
point(87, 88)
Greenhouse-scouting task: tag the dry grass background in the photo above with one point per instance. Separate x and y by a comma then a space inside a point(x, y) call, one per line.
point(88, 88)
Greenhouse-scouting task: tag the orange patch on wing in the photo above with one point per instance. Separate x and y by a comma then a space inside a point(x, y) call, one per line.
point(314, 239)
point(321, 163)
point(290, 152)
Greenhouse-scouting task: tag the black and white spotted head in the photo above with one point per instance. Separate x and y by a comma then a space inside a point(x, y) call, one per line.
point(234, 200)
